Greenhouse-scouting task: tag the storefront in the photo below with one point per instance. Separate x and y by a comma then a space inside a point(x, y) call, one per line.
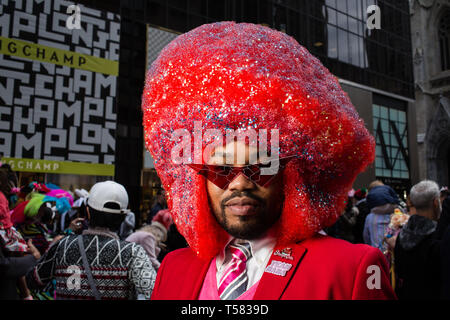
point(58, 81)
point(68, 175)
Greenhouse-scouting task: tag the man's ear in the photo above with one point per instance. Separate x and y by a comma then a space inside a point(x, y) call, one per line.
point(436, 202)
point(437, 207)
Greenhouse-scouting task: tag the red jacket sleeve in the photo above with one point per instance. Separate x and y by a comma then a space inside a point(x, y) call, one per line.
point(159, 276)
point(372, 278)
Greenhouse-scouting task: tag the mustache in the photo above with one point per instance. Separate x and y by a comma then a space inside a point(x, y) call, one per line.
point(241, 194)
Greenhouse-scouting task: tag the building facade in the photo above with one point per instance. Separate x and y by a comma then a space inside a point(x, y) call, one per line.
point(58, 82)
point(374, 66)
point(430, 26)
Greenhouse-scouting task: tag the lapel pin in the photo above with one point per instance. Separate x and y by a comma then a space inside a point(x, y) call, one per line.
point(278, 268)
point(285, 253)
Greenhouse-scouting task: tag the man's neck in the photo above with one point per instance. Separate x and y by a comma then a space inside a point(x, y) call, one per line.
point(101, 232)
point(429, 214)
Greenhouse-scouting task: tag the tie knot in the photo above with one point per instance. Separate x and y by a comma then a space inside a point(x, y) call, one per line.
point(240, 251)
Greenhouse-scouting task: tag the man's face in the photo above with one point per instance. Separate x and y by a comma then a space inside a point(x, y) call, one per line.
point(244, 209)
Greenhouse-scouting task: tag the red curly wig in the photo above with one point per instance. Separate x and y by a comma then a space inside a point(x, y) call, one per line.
point(237, 76)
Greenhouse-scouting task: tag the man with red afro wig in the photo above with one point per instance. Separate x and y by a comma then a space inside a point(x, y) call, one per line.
point(216, 100)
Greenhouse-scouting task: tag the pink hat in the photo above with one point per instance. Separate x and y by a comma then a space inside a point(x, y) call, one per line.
point(60, 193)
point(163, 217)
point(351, 193)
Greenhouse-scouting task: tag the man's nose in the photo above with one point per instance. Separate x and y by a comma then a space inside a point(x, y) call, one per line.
point(241, 183)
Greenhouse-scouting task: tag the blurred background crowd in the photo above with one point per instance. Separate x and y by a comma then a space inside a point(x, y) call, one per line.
point(412, 233)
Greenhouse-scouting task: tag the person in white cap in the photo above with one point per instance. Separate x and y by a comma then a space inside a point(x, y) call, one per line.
point(97, 264)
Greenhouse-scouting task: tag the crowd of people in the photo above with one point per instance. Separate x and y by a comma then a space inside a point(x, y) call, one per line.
point(41, 226)
point(413, 235)
point(41, 223)
point(292, 233)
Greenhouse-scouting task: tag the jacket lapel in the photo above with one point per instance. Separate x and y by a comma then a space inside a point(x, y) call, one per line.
point(281, 267)
point(194, 274)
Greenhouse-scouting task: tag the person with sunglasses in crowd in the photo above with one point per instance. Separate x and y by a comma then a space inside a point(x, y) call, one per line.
point(253, 221)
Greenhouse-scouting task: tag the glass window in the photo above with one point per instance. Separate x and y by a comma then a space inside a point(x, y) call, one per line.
point(393, 114)
point(392, 161)
point(352, 7)
point(378, 149)
point(376, 111)
point(343, 45)
point(394, 151)
point(342, 20)
point(362, 53)
point(403, 165)
point(387, 140)
point(361, 27)
point(332, 42)
point(394, 141)
point(354, 49)
point(383, 113)
point(359, 10)
point(353, 25)
point(331, 16)
point(401, 127)
point(385, 52)
point(331, 3)
point(379, 162)
point(342, 5)
point(375, 122)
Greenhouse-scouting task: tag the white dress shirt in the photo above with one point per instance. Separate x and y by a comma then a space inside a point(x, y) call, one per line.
point(261, 251)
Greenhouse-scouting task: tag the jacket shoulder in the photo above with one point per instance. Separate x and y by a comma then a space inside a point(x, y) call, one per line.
point(180, 276)
point(321, 242)
point(345, 257)
point(341, 270)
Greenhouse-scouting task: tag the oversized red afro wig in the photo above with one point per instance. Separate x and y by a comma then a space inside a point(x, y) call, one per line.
point(237, 76)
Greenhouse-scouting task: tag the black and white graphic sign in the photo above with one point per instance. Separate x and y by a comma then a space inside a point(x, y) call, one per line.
point(57, 84)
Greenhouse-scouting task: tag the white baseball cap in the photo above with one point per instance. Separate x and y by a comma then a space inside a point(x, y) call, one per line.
point(108, 196)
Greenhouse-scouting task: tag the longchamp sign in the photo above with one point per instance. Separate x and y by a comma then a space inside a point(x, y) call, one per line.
point(60, 167)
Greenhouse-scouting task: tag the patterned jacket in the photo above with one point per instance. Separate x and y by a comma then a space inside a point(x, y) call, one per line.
point(121, 269)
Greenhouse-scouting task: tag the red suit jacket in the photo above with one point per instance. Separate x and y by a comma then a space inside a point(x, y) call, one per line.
point(322, 268)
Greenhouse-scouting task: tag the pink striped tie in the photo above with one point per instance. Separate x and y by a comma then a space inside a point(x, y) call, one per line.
point(234, 281)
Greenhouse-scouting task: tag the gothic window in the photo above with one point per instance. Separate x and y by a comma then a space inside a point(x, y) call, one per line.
point(444, 39)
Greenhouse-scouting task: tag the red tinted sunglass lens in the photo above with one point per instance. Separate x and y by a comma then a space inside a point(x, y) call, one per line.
point(221, 176)
point(252, 172)
point(265, 180)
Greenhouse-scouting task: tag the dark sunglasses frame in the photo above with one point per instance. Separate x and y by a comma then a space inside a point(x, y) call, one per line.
point(223, 175)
